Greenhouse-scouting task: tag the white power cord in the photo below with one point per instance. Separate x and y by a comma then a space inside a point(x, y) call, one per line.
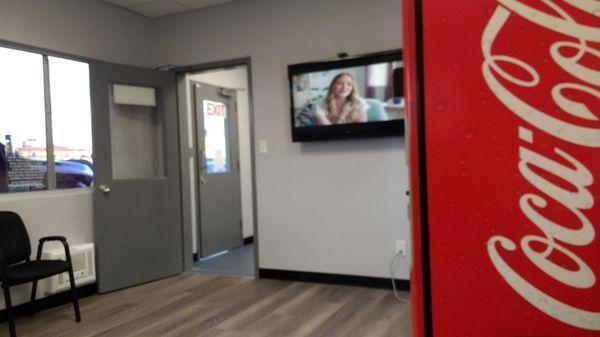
point(392, 268)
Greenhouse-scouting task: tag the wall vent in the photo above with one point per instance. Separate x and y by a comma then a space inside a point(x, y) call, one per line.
point(84, 268)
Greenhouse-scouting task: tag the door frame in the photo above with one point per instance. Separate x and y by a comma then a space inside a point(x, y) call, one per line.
point(186, 152)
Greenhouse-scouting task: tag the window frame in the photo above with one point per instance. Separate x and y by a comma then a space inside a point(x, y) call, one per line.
point(51, 184)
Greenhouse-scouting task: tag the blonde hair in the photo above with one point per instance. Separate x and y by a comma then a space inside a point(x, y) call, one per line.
point(353, 100)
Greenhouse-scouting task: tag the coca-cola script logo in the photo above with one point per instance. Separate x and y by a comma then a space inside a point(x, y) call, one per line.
point(555, 237)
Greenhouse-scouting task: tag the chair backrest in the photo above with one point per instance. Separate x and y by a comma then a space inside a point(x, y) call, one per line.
point(14, 240)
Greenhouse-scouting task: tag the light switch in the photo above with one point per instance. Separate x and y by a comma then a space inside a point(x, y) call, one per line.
point(262, 146)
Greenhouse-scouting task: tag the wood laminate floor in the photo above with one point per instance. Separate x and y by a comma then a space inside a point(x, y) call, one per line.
point(217, 306)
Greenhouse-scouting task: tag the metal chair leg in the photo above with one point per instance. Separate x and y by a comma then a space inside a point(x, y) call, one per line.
point(9, 312)
point(32, 302)
point(74, 296)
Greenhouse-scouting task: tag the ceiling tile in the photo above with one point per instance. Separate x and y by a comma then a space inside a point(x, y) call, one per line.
point(159, 8)
point(195, 4)
point(128, 3)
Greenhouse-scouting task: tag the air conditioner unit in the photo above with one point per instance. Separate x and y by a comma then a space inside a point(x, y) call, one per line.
point(84, 268)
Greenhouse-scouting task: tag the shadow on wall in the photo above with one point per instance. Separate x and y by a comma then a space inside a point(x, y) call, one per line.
point(352, 145)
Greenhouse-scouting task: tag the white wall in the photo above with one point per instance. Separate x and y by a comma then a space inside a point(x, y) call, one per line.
point(67, 213)
point(334, 207)
point(88, 28)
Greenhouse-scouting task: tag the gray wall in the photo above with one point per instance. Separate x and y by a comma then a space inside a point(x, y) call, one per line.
point(88, 28)
point(334, 207)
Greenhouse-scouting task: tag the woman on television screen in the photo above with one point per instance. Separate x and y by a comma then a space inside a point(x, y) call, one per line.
point(342, 105)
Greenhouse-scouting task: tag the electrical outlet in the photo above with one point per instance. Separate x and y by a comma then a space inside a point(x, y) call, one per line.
point(401, 247)
point(263, 146)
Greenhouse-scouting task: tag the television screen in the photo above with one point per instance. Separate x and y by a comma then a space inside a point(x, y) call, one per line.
point(347, 98)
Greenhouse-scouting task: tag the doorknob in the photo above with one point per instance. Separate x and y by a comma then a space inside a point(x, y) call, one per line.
point(104, 188)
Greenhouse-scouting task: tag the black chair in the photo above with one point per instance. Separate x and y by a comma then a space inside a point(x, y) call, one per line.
point(17, 268)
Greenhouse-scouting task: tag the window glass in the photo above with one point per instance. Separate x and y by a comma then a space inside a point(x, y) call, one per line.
point(136, 134)
point(22, 122)
point(71, 122)
point(216, 135)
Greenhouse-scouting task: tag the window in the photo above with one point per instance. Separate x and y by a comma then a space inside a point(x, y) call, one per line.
point(71, 122)
point(216, 134)
point(45, 130)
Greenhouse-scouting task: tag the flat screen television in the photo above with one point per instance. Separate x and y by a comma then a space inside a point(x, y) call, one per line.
point(355, 97)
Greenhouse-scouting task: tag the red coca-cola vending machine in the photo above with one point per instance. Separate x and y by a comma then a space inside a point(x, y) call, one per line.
point(503, 108)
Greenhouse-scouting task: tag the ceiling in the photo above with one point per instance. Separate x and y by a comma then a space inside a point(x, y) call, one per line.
point(158, 8)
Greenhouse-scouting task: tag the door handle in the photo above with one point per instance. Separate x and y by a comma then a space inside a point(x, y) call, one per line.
point(104, 188)
point(202, 180)
point(202, 159)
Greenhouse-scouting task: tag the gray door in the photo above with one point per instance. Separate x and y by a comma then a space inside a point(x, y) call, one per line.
point(218, 168)
point(137, 208)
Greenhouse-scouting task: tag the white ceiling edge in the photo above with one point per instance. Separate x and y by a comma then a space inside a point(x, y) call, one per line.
point(159, 8)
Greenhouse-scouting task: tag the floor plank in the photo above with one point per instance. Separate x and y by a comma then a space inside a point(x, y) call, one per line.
point(220, 306)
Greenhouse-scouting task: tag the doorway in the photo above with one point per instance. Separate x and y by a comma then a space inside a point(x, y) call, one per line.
point(220, 177)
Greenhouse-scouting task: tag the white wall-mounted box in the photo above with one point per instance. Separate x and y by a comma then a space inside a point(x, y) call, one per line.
point(84, 268)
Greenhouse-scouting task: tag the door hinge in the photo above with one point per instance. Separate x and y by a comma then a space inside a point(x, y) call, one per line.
point(238, 165)
point(241, 224)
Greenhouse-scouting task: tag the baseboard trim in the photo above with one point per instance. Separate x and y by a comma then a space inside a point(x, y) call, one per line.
point(248, 240)
point(51, 301)
point(363, 281)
